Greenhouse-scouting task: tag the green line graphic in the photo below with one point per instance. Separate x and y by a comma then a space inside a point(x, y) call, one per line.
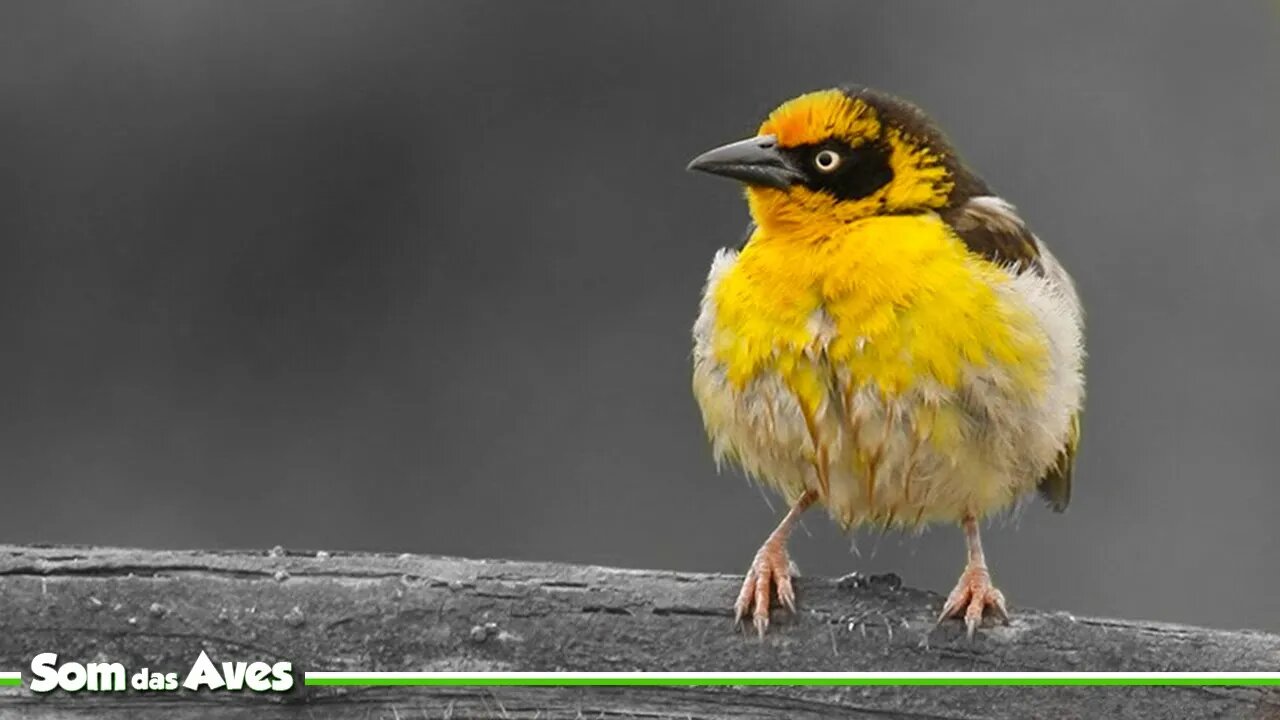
point(552, 681)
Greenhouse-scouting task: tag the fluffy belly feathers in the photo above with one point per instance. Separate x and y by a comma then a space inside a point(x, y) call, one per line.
point(908, 386)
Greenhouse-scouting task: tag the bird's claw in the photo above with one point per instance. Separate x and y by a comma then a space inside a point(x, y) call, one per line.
point(770, 568)
point(972, 596)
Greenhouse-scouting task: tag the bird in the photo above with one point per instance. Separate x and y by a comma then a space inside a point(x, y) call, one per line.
point(890, 342)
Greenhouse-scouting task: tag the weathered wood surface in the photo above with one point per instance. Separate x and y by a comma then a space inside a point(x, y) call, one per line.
point(386, 612)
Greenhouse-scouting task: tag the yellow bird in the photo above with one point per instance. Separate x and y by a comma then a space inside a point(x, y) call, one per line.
point(891, 341)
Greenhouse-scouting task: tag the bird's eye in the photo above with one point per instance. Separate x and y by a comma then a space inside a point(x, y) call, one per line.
point(826, 160)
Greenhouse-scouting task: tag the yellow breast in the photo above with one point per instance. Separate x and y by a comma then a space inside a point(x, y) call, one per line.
point(892, 300)
point(858, 359)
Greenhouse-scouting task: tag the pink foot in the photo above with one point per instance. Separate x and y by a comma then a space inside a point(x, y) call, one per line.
point(973, 594)
point(771, 567)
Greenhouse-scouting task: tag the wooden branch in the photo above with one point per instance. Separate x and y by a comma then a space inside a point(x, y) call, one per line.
point(383, 612)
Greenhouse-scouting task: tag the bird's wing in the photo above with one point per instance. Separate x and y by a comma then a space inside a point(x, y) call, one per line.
point(1055, 486)
point(990, 227)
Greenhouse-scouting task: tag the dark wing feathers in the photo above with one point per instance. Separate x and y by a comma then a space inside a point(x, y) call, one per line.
point(991, 228)
point(1055, 486)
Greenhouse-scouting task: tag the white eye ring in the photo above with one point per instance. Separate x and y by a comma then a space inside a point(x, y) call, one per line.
point(827, 160)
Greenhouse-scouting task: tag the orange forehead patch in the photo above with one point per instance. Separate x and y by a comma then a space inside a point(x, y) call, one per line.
point(817, 116)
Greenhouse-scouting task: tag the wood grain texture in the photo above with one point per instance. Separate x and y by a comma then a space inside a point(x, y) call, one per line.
point(386, 612)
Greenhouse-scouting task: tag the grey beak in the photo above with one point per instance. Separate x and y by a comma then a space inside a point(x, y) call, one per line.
point(754, 161)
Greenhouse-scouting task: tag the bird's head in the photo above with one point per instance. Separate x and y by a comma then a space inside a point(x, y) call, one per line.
point(836, 156)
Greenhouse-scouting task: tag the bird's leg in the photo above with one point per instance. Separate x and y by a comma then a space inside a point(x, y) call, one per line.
point(974, 593)
point(771, 566)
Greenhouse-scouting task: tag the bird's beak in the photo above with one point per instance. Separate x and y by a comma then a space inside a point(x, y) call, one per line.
point(754, 161)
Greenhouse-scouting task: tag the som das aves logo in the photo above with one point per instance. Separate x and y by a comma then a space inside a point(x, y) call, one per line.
point(204, 674)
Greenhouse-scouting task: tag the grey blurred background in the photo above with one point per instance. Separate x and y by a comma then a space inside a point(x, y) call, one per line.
point(419, 276)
